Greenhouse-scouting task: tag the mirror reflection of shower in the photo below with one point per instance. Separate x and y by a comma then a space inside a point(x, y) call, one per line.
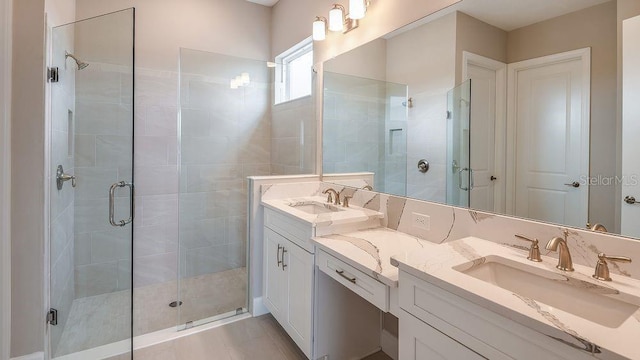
point(81, 64)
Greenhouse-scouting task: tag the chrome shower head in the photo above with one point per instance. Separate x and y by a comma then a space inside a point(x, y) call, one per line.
point(81, 64)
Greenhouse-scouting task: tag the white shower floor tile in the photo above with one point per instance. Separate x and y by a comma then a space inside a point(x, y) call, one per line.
point(104, 319)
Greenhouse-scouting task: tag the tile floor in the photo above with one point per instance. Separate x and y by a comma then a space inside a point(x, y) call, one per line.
point(201, 296)
point(251, 339)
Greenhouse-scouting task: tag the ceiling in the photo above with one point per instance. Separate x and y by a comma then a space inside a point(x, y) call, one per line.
point(513, 14)
point(264, 2)
point(507, 14)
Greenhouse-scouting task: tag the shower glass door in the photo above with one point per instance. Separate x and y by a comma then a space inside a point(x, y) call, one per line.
point(459, 172)
point(91, 184)
point(225, 136)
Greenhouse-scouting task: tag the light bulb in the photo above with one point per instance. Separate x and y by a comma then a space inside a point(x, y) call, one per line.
point(233, 84)
point(319, 29)
point(357, 9)
point(336, 16)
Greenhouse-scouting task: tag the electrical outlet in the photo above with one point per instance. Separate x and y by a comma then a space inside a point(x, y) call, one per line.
point(421, 221)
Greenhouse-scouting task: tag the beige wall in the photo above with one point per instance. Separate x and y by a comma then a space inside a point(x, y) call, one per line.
point(60, 12)
point(353, 62)
point(593, 27)
point(480, 38)
point(5, 169)
point(411, 60)
point(27, 218)
point(292, 23)
point(164, 26)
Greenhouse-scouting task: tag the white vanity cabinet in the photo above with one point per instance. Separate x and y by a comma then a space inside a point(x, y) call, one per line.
point(419, 340)
point(437, 324)
point(289, 276)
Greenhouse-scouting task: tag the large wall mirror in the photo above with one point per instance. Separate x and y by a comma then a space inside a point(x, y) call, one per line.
point(507, 106)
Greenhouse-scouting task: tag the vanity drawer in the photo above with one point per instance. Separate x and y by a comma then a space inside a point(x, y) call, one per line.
point(298, 232)
point(362, 284)
point(478, 328)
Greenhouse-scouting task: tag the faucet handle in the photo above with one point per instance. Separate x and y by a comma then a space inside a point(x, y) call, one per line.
point(345, 201)
point(329, 198)
point(534, 251)
point(602, 269)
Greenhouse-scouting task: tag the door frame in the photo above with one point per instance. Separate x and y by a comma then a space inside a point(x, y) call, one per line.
point(584, 55)
point(6, 11)
point(500, 124)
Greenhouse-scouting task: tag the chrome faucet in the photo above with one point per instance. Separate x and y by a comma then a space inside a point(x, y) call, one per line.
point(332, 196)
point(564, 257)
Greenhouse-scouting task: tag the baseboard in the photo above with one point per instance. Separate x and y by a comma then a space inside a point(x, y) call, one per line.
point(258, 307)
point(389, 344)
point(34, 356)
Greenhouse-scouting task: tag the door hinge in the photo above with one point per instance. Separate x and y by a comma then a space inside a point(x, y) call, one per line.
point(449, 115)
point(53, 74)
point(52, 317)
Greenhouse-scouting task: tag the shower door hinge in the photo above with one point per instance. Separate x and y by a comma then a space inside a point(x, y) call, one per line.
point(53, 74)
point(52, 317)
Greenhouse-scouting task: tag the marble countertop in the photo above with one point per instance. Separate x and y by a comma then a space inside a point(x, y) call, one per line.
point(370, 251)
point(352, 214)
point(435, 264)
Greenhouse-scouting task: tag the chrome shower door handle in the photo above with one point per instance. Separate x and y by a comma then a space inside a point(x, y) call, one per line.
point(112, 195)
point(470, 179)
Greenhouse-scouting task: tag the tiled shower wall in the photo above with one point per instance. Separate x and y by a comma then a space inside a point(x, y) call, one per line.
point(293, 137)
point(225, 137)
point(156, 177)
point(103, 259)
point(103, 137)
point(62, 201)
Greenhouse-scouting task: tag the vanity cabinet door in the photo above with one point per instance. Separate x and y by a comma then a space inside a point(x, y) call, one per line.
point(299, 265)
point(288, 287)
point(274, 275)
point(419, 341)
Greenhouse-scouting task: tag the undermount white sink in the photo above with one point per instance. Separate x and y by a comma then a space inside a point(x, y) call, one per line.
point(314, 207)
point(586, 299)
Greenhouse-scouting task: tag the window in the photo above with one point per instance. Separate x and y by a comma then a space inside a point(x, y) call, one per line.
point(294, 72)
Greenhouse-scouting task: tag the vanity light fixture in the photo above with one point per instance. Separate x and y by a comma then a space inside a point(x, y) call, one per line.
point(319, 28)
point(357, 9)
point(339, 20)
point(336, 18)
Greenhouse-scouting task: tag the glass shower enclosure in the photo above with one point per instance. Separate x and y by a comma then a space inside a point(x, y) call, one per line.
point(224, 137)
point(91, 184)
point(365, 125)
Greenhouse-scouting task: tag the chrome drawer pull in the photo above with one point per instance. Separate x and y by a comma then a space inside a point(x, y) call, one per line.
point(341, 273)
point(278, 254)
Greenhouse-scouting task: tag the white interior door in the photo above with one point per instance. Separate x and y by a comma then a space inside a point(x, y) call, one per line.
point(488, 91)
point(630, 213)
point(549, 116)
